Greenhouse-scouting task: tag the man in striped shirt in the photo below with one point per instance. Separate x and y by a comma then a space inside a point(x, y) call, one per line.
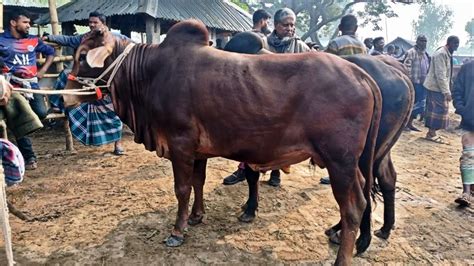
point(347, 43)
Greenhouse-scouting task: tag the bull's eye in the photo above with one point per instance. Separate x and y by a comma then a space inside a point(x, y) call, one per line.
point(82, 57)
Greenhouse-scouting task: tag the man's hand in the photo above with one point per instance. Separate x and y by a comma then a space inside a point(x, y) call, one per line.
point(448, 97)
point(7, 91)
point(40, 74)
point(45, 38)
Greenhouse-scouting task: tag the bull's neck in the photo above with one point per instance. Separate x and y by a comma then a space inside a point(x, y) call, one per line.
point(135, 67)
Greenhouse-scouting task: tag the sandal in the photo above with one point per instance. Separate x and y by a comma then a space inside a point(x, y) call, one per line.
point(437, 139)
point(464, 200)
point(119, 151)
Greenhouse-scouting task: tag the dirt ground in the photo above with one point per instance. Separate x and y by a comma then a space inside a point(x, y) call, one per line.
point(104, 209)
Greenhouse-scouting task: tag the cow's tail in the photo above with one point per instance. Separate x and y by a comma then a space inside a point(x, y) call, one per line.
point(366, 163)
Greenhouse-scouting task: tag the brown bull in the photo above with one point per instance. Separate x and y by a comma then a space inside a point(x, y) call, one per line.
point(189, 102)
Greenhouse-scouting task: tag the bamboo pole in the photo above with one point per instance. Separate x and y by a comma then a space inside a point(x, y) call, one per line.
point(57, 59)
point(53, 14)
point(1, 16)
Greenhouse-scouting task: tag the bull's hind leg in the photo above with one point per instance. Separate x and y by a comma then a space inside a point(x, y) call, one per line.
point(387, 177)
point(347, 184)
point(199, 177)
point(252, 203)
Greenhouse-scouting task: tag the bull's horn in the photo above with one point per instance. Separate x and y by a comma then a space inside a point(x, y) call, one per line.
point(264, 51)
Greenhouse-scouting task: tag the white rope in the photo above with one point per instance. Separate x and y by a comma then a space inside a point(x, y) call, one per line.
point(62, 92)
point(113, 67)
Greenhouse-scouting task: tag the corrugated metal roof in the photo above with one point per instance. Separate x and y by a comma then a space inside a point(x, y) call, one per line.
point(218, 14)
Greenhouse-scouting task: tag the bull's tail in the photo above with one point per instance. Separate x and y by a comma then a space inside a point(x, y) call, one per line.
point(366, 163)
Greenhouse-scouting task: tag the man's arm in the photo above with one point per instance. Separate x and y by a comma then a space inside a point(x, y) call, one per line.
point(332, 48)
point(440, 69)
point(47, 51)
point(409, 61)
point(458, 92)
point(65, 40)
point(46, 65)
point(6, 89)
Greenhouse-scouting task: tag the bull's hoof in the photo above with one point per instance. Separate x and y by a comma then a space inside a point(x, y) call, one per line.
point(195, 220)
point(382, 234)
point(335, 238)
point(363, 243)
point(174, 241)
point(246, 218)
point(331, 231)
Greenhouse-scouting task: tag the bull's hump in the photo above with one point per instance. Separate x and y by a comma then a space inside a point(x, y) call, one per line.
point(189, 31)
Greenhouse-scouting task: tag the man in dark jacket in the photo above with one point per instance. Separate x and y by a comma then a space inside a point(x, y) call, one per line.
point(463, 101)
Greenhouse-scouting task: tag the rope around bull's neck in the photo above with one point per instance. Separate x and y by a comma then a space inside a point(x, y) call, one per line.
point(90, 83)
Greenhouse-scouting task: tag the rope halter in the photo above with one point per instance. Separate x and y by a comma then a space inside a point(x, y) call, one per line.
point(91, 83)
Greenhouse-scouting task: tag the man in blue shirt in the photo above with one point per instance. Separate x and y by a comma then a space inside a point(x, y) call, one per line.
point(100, 114)
point(19, 49)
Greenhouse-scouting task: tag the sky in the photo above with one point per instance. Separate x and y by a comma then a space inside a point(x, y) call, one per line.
point(463, 11)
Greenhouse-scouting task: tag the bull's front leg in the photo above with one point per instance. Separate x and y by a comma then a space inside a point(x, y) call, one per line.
point(183, 165)
point(252, 203)
point(199, 177)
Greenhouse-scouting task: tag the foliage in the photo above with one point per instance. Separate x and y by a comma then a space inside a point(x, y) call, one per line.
point(242, 5)
point(319, 18)
point(434, 22)
point(372, 13)
point(470, 30)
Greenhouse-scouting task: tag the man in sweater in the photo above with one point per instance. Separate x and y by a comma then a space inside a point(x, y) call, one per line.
point(347, 43)
point(438, 84)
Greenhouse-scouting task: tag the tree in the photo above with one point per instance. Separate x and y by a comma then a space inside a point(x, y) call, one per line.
point(470, 30)
point(434, 22)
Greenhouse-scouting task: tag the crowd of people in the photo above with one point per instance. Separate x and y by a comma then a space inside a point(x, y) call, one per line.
point(431, 77)
point(96, 123)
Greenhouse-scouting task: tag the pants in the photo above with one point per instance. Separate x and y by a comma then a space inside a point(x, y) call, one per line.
point(24, 143)
point(420, 100)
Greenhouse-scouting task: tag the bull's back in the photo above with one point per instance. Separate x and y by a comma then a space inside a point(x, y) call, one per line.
point(397, 99)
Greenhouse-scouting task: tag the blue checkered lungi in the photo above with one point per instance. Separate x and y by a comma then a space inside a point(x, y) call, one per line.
point(95, 123)
point(12, 162)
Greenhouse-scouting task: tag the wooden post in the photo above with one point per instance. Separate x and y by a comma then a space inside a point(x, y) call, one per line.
point(153, 30)
point(1, 16)
point(53, 14)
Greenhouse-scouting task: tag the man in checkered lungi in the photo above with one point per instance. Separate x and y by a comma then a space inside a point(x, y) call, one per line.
point(92, 123)
point(438, 83)
point(463, 100)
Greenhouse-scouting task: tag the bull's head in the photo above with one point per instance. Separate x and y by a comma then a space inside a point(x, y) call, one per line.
point(90, 60)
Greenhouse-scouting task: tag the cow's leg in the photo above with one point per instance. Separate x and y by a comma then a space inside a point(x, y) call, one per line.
point(333, 233)
point(347, 184)
point(183, 171)
point(199, 177)
point(387, 177)
point(252, 202)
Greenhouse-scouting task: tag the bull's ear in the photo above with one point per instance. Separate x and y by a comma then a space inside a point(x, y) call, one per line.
point(96, 57)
